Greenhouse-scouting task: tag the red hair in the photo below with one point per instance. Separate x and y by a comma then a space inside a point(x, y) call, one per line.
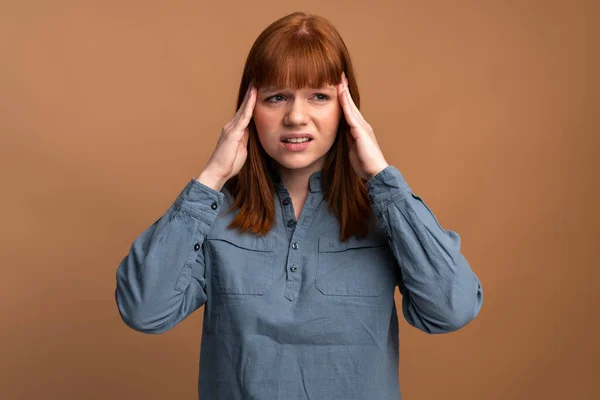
point(296, 51)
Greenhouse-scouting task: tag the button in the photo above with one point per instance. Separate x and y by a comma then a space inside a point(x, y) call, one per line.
point(197, 246)
point(286, 202)
point(295, 246)
point(214, 206)
point(291, 223)
point(293, 268)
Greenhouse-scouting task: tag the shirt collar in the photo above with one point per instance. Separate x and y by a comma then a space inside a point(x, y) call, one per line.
point(314, 182)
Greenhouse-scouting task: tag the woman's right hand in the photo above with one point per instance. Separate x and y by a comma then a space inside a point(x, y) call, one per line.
point(230, 153)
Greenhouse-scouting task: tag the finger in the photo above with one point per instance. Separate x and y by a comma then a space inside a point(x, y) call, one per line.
point(240, 128)
point(244, 140)
point(345, 105)
point(248, 107)
point(353, 119)
point(242, 117)
point(239, 111)
point(353, 108)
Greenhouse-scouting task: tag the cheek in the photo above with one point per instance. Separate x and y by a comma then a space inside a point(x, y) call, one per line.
point(264, 121)
point(329, 119)
point(266, 126)
point(259, 119)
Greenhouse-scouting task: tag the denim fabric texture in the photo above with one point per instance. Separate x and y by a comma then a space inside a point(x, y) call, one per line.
point(297, 313)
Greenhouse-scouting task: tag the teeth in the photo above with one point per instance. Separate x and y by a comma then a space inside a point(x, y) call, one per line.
point(302, 140)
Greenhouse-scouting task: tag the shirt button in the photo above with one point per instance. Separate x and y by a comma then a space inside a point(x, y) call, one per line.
point(291, 223)
point(293, 269)
point(295, 246)
point(197, 246)
point(286, 202)
point(214, 206)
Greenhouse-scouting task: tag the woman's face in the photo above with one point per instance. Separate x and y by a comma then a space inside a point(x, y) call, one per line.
point(310, 112)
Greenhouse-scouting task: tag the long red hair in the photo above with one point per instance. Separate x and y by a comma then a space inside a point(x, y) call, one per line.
point(299, 50)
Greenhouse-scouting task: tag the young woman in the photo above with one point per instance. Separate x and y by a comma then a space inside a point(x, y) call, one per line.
point(294, 237)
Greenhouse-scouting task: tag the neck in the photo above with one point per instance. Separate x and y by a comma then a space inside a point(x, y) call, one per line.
point(296, 181)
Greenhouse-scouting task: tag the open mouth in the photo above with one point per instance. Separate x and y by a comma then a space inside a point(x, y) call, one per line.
point(296, 144)
point(302, 140)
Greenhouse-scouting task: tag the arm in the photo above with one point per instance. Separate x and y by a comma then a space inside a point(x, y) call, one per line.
point(161, 281)
point(440, 292)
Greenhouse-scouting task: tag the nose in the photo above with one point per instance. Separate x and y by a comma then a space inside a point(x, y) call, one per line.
point(295, 114)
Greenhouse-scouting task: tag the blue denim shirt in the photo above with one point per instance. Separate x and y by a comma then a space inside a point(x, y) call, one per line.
point(298, 314)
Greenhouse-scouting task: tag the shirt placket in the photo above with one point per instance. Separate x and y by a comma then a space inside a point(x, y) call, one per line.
point(297, 234)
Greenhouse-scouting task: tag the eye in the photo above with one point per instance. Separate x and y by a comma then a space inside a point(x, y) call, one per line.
point(322, 97)
point(274, 99)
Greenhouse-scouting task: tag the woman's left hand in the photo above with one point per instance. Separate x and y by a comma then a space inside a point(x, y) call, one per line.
point(365, 155)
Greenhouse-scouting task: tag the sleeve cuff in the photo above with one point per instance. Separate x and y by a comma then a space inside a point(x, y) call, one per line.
point(200, 200)
point(386, 186)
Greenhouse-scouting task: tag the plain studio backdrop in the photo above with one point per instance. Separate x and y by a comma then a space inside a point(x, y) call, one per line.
point(489, 109)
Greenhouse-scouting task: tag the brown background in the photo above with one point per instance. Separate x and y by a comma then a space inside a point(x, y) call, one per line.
point(490, 109)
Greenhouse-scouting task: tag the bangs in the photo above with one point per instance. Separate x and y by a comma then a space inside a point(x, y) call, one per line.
point(297, 61)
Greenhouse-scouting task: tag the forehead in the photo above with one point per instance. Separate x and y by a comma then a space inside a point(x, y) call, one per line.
point(274, 88)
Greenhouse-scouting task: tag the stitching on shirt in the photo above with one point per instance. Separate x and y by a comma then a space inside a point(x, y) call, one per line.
point(198, 216)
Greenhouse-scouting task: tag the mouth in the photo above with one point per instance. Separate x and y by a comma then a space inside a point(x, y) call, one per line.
point(296, 143)
point(299, 137)
point(297, 140)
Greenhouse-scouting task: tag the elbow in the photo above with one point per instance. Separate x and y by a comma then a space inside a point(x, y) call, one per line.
point(464, 310)
point(438, 326)
point(435, 317)
point(450, 322)
point(138, 319)
point(456, 321)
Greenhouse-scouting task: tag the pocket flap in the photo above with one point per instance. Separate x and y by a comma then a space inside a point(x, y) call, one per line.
point(248, 242)
point(330, 244)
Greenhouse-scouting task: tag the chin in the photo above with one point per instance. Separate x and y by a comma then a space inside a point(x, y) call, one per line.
point(293, 162)
point(297, 162)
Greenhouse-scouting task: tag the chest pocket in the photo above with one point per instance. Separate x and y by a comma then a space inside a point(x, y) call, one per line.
point(355, 267)
point(241, 264)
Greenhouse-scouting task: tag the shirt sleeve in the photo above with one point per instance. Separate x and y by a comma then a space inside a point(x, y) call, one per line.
point(440, 292)
point(161, 281)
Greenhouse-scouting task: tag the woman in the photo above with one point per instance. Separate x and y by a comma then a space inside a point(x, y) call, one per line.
point(294, 237)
